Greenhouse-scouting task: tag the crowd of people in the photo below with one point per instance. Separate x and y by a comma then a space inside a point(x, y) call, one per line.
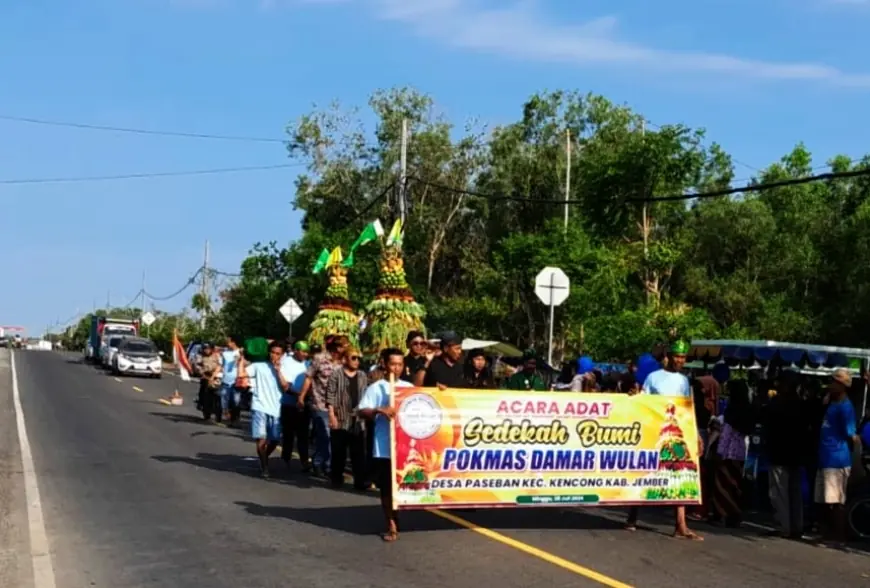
point(328, 407)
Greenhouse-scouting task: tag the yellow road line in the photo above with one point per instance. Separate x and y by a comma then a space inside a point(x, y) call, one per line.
point(118, 379)
point(533, 551)
point(138, 389)
point(164, 401)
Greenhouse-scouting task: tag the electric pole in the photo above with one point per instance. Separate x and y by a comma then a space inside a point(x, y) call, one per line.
point(567, 175)
point(143, 310)
point(204, 292)
point(643, 211)
point(403, 171)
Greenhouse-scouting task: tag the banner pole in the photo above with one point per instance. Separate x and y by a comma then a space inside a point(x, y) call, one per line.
point(393, 484)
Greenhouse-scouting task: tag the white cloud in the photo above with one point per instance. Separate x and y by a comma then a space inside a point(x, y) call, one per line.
point(521, 32)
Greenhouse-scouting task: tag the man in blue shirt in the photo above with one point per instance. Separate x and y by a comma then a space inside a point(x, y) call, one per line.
point(230, 396)
point(838, 435)
point(375, 405)
point(295, 418)
point(267, 386)
point(668, 381)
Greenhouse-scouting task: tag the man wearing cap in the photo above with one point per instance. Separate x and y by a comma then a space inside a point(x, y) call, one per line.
point(838, 436)
point(295, 418)
point(668, 381)
point(527, 378)
point(208, 364)
point(314, 391)
point(446, 370)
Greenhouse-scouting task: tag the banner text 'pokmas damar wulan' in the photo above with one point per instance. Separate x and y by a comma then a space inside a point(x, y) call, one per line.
point(459, 448)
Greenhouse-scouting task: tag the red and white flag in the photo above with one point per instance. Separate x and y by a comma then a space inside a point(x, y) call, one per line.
point(179, 357)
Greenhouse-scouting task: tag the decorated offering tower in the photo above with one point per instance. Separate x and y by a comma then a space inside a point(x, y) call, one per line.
point(675, 462)
point(394, 311)
point(335, 315)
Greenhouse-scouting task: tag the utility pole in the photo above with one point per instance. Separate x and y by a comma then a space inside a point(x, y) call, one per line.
point(403, 171)
point(108, 300)
point(144, 308)
point(567, 175)
point(643, 211)
point(204, 291)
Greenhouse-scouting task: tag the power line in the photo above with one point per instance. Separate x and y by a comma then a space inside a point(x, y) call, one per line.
point(733, 159)
point(139, 131)
point(687, 196)
point(224, 170)
point(190, 281)
point(759, 187)
point(133, 301)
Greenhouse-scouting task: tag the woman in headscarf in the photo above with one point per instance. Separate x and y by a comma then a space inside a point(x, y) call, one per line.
point(477, 372)
point(736, 425)
point(585, 380)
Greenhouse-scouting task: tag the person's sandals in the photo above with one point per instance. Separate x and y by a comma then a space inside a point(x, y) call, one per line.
point(692, 536)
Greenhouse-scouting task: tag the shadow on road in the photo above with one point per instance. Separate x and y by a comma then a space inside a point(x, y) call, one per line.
point(366, 519)
point(359, 520)
point(231, 433)
point(190, 419)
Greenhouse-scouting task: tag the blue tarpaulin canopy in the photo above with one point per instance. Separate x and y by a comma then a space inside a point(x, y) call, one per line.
point(747, 353)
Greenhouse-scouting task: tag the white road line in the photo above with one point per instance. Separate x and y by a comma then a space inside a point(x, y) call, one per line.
point(40, 551)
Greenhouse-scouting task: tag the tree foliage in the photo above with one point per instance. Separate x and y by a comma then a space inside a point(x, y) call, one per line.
point(485, 216)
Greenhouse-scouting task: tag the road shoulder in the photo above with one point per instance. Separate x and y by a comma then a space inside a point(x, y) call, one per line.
point(15, 560)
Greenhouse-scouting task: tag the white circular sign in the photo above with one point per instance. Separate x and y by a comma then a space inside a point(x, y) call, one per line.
point(420, 416)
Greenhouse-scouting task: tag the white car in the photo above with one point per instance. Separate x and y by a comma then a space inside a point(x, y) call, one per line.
point(136, 355)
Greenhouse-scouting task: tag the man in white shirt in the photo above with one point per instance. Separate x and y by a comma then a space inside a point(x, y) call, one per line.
point(668, 381)
point(375, 405)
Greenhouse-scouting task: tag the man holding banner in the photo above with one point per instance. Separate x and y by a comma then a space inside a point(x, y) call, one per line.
point(375, 406)
point(669, 382)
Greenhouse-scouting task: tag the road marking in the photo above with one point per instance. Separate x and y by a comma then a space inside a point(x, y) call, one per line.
point(40, 552)
point(534, 551)
point(138, 389)
point(164, 401)
point(118, 380)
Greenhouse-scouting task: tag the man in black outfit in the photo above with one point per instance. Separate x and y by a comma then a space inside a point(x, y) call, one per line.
point(448, 369)
point(415, 361)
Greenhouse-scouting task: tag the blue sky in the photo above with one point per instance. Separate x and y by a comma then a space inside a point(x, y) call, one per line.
point(758, 76)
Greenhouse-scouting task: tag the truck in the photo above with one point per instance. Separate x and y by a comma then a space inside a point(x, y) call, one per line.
point(104, 327)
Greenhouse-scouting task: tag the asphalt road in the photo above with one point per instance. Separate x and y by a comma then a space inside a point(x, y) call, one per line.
point(135, 493)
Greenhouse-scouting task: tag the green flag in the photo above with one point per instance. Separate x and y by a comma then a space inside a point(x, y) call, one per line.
point(321, 262)
point(372, 231)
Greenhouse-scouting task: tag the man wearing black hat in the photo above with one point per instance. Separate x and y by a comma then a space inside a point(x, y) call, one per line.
point(528, 377)
point(446, 370)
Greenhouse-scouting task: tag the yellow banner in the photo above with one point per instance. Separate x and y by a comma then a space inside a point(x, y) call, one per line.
point(501, 448)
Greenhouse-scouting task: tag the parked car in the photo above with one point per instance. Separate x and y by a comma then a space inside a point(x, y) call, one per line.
point(137, 355)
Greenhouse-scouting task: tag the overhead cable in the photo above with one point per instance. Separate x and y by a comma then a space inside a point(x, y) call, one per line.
point(139, 131)
point(752, 187)
point(143, 175)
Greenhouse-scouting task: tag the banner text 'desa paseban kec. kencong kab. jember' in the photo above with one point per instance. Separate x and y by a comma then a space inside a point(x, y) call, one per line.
point(458, 448)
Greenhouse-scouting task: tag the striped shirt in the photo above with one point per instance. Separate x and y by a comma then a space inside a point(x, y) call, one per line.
point(341, 397)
